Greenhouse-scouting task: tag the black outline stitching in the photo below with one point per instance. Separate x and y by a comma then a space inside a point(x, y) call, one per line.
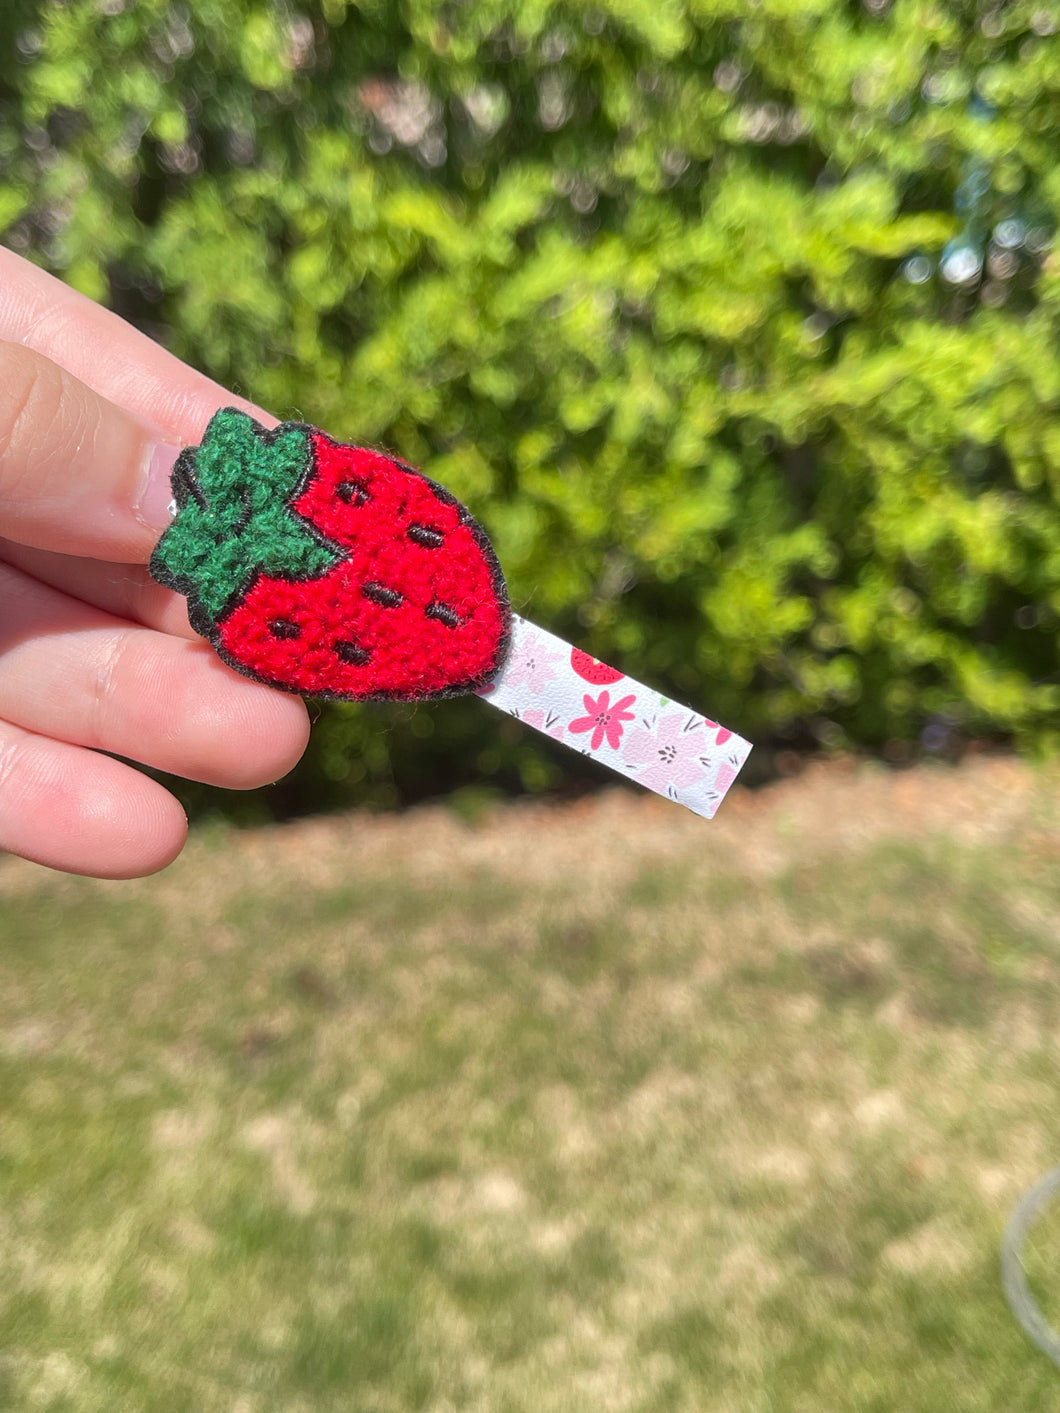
point(184, 481)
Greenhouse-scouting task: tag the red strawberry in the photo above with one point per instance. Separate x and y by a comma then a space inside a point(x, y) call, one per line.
point(331, 570)
point(593, 670)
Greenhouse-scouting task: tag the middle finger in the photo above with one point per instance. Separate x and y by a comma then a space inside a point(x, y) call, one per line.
point(77, 674)
point(125, 590)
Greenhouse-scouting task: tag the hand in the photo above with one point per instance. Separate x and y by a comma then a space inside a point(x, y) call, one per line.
point(94, 656)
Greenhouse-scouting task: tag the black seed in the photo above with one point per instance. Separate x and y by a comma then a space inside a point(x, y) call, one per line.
point(380, 594)
point(352, 653)
point(443, 613)
point(284, 628)
point(352, 492)
point(427, 537)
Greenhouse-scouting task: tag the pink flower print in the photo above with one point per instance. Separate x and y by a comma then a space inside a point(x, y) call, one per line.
point(530, 664)
point(726, 775)
point(664, 754)
point(548, 722)
point(604, 720)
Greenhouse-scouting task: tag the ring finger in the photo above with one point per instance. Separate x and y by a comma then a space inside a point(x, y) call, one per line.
point(78, 474)
point(125, 590)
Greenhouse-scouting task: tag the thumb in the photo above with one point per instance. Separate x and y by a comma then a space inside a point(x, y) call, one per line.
point(78, 475)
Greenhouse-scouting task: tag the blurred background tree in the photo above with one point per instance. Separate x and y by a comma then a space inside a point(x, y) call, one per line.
point(736, 323)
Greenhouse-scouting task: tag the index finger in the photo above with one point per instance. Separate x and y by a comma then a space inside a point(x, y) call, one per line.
point(78, 474)
point(108, 355)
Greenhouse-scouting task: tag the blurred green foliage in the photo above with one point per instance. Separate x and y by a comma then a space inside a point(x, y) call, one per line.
point(736, 323)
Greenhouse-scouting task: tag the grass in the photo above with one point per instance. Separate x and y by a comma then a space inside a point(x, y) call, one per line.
point(595, 1108)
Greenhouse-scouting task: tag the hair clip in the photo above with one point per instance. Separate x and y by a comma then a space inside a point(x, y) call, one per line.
point(339, 572)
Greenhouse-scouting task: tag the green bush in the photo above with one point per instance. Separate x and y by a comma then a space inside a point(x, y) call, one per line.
point(736, 323)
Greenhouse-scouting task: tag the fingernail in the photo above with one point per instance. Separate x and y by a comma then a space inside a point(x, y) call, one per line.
point(154, 506)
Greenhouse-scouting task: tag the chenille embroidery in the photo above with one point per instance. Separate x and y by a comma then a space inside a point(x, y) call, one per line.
point(331, 570)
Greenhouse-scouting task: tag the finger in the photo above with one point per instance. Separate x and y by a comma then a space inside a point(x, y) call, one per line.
point(74, 673)
point(83, 813)
point(78, 474)
point(107, 354)
point(124, 590)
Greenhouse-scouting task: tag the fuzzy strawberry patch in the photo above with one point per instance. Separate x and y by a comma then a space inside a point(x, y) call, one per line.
point(331, 570)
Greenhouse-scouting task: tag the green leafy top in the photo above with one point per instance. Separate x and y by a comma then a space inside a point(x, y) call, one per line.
point(234, 519)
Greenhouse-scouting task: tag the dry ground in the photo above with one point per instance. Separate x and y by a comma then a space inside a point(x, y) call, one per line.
point(596, 1107)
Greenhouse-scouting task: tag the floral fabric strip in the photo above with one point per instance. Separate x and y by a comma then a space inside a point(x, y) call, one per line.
point(594, 709)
